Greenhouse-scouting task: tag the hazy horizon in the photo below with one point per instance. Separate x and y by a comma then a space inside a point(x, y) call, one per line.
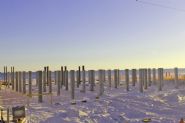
point(98, 34)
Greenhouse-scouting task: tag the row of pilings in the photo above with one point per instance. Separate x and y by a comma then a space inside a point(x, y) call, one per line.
point(22, 81)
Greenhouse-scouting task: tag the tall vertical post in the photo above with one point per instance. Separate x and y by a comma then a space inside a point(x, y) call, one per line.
point(83, 79)
point(47, 73)
point(141, 79)
point(16, 81)
point(20, 81)
point(13, 81)
point(40, 100)
point(134, 77)
point(44, 79)
point(176, 78)
point(11, 77)
point(78, 76)
point(50, 82)
point(89, 76)
point(154, 76)
point(100, 81)
point(92, 79)
point(149, 77)
point(101, 76)
point(30, 82)
point(24, 82)
point(55, 74)
point(58, 82)
point(160, 78)
point(109, 78)
point(72, 82)
point(62, 75)
point(127, 79)
point(37, 79)
point(145, 79)
point(8, 80)
point(66, 78)
point(5, 74)
point(104, 78)
point(116, 78)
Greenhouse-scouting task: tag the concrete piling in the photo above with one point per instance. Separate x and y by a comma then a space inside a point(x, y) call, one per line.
point(40, 99)
point(109, 77)
point(58, 74)
point(160, 78)
point(154, 76)
point(141, 80)
point(50, 82)
point(176, 77)
point(24, 82)
point(78, 76)
point(83, 79)
point(30, 83)
point(20, 82)
point(101, 77)
point(4, 74)
point(12, 81)
point(66, 78)
point(145, 79)
point(16, 81)
point(62, 75)
point(55, 74)
point(116, 78)
point(92, 79)
point(47, 74)
point(72, 82)
point(134, 77)
point(127, 79)
point(44, 79)
point(149, 77)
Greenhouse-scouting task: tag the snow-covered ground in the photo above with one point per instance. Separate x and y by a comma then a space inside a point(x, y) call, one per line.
point(115, 106)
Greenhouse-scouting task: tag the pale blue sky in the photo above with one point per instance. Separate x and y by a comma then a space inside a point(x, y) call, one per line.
point(96, 33)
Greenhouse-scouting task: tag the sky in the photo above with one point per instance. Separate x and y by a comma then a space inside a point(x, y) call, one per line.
point(100, 34)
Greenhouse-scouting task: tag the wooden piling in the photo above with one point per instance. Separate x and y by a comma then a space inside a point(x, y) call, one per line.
point(134, 77)
point(116, 78)
point(127, 79)
point(30, 83)
point(58, 73)
point(40, 99)
point(109, 78)
point(92, 79)
point(72, 82)
point(50, 82)
point(160, 78)
point(83, 79)
point(154, 76)
point(24, 82)
point(141, 79)
point(176, 77)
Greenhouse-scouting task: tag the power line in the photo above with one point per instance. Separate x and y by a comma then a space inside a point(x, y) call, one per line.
point(159, 5)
